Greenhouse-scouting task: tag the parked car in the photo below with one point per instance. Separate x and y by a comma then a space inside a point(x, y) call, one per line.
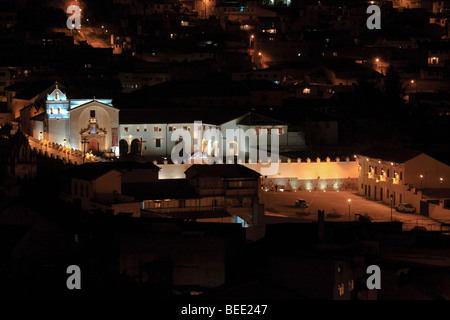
point(405, 207)
point(301, 203)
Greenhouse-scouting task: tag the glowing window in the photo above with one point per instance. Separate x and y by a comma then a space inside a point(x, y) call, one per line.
point(433, 60)
point(306, 91)
point(351, 285)
point(341, 289)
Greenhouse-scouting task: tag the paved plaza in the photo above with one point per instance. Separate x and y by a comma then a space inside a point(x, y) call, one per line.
point(336, 207)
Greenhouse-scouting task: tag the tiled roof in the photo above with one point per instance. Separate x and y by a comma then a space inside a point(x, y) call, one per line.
point(172, 115)
point(221, 170)
point(92, 171)
point(390, 154)
point(254, 119)
point(160, 190)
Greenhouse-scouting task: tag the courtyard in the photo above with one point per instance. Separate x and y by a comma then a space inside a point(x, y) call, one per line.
point(337, 208)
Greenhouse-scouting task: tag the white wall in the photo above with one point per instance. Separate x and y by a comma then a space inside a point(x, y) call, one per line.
point(430, 168)
point(436, 211)
point(301, 170)
point(58, 130)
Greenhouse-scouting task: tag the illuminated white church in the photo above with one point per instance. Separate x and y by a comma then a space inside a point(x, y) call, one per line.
point(82, 124)
point(95, 125)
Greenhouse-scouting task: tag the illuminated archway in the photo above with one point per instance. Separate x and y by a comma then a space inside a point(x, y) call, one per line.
point(234, 146)
point(204, 146)
point(135, 146)
point(123, 147)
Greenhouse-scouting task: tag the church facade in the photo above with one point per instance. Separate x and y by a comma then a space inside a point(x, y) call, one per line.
point(82, 124)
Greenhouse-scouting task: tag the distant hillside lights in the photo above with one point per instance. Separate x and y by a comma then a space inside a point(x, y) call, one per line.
point(208, 146)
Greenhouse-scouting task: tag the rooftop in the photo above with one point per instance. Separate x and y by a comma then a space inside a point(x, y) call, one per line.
point(92, 171)
point(221, 170)
point(254, 119)
point(390, 154)
point(176, 115)
point(160, 190)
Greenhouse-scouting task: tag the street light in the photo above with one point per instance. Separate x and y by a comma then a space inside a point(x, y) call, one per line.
point(204, 3)
point(421, 180)
point(391, 205)
point(442, 179)
point(349, 203)
point(251, 42)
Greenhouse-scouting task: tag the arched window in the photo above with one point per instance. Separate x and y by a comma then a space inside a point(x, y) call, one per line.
point(51, 110)
point(59, 110)
point(57, 95)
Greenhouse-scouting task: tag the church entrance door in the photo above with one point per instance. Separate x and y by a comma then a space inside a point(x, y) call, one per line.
point(93, 145)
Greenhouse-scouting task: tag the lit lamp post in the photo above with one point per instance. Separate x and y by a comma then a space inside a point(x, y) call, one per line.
point(349, 203)
point(442, 179)
point(421, 181)
point(204, 3)
point(251, 44)
point(84, 141)
point(260, 60)
point(414, 86)
point(392, 198)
